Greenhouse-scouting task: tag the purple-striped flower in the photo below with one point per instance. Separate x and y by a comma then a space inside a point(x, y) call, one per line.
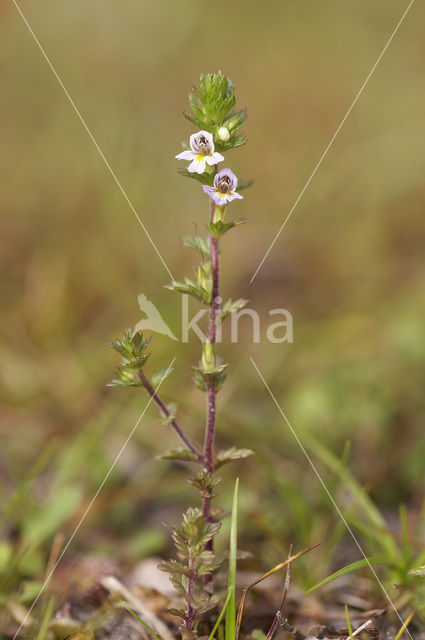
point(201, 152)
point(224, 189)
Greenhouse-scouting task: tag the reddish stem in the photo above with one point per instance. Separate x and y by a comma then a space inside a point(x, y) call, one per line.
point(162, 407)
point(211, 387)
point(190, 613)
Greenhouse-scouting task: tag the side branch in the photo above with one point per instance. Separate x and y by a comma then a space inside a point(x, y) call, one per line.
point(162, 407)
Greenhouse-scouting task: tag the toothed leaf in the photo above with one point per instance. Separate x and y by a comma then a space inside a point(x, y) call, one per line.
point(182, 454)
point(223, 457)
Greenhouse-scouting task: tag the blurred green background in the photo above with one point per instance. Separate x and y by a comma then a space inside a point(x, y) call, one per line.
point(349, 265)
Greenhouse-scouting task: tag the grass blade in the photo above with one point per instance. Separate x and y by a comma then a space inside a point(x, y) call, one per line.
point(405, 625)
point(359, 564)
point(349, 627)
point(222, 612)
point(231, 606)
point(44, 627)
point(143, 623)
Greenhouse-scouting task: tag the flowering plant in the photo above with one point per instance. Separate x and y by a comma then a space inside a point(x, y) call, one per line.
point(212, 105)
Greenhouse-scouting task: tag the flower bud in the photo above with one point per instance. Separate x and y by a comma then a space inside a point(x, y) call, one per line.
point(219, 214)
point(204, 276)
point(223, 134)
point(208, 356)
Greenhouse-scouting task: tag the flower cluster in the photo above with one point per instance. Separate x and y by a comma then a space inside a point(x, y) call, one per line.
point(202, 153)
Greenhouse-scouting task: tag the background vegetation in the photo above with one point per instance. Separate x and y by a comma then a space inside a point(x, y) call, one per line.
point(349, 266)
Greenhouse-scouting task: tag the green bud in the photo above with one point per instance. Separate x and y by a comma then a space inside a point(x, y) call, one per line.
point(219, 214)
point(236, 120)
point(208, 356)
point(204, 277)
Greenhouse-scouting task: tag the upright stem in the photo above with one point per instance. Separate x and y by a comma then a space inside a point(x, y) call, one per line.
point(190, 613)
point(211, 387)
point(208, 457)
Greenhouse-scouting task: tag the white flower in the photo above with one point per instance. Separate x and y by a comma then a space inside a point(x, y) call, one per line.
point(224, 189)
point(201, 152)
point(223, 134)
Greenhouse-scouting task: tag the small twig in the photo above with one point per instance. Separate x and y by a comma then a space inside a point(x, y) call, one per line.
point(127, 600)
point(162, 407)
point(284, 624)
point(278, 616)
point(359, 630)
point(263, 577)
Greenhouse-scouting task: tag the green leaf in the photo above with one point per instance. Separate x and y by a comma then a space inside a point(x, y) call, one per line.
point(190, 288)
point(159, 376)
point(219, 228)
point(234, 121)
point(203, 377)
point(176, 612)
point(229, 455)
point(204, 481)
point(198, 379)
point(172, 411)
point(131, 346)
point(203, 178)
point(172, 566)
point(204, 602)
point(359, 564)
point(231, 306)
point(179, 454)
point(205, 279)
point(233, 142)
point(176, 581)
point(198, 244)
point(127, 378)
